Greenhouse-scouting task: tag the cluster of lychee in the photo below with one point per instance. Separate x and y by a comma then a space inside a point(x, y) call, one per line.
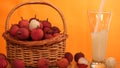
point(33, 29)
point(5, 64)
point(45, 63)
point(79, 58)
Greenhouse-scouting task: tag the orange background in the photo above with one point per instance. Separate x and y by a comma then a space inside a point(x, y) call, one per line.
point(75, 13)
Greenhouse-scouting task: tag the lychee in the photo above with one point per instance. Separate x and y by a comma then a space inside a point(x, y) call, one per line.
point(22, 33)
point(56, 34)
point(3, 63)
point(78, 55)
point(24, 23)
point(46, 23)
point(35, 23)
point(82, 66)
point(68, 56)
point(55, 29)
point(13, 29)
point(83, 60)
point(18, 64)
point(43, 63)
point(48, 36)
point(110, 62)
point(2, 56)
point(48, 30)
point(62, 63)
point(37, 34)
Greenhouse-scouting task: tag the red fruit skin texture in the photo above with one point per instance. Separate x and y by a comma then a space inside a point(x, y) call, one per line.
point(24, 24)
point(43, 63)
point(3, 63)
point(13, 29)
point(48, 30)
point(18, 64)
point(2, 56)
point(82, 66)
point(55, 29)
point(78, 55)
point(46, 24)
point(23, 33)
point(68, 56)
point(41, 26)
point(37, 34)
point(48, 36)
point(56, 34)
point(62, 63)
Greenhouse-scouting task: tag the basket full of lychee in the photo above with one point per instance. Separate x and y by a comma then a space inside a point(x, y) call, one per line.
point(32, 39)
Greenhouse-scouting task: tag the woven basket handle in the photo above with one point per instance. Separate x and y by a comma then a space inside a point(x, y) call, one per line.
point(35, 2)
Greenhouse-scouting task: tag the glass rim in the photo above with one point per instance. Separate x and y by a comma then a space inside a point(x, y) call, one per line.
point(97, 11)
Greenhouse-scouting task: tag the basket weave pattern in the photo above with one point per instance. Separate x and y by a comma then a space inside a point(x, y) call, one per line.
point(30, 51)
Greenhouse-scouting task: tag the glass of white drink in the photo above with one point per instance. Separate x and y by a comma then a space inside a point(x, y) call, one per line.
point(99, 26)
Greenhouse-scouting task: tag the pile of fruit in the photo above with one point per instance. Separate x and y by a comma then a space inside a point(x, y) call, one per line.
point(33, 30)
point(44, 63)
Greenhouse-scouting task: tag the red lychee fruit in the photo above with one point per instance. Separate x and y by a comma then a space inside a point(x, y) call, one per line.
point(24, 23)
point(37, 34)
point(3, 63)
point(48, 36)
point(82, 66)
point(56, 34)
point(78, 55)
point(43, 63)
point(62, 63)
point(48, 30)
point(22, 33)
point(13, 29)
point(18, 64)
point(68, 56)
point(2, 56)
point(55, 29)
point(46, 23)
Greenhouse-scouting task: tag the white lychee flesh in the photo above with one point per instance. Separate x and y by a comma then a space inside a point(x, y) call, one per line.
point(83, 60)
point(111, 62)
point(34, 24)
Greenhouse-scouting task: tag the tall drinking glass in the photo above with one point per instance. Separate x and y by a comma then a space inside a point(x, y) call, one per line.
point(99, 26)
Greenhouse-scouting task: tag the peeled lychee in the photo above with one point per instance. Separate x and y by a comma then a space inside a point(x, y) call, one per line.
point(68, 56)
point(48, 36)
point(83, 60)
point(35, 23)
point(43, 63)
point(18, 64)
point(24, 23)
point(55, 29)
point(46, 23)
point(22, 33)
point(37, 34)
point(62, 63)
point(13, 29)
point(3, 63)
point(2, 56)
point(111, 62)
point(78, 55)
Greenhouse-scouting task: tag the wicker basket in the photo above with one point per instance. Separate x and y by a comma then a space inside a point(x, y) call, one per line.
point(30, 51)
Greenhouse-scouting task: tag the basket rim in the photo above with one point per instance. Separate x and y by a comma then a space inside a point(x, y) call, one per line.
point(56, 39)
